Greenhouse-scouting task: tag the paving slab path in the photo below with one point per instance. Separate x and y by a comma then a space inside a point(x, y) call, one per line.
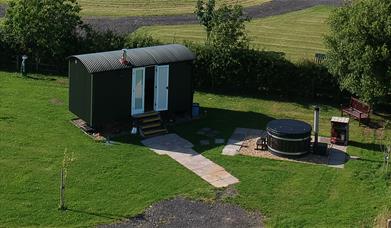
point(181, 151)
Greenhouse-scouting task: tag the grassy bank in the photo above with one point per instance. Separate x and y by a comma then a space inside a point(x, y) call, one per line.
point(108, 183)
point(298, 34)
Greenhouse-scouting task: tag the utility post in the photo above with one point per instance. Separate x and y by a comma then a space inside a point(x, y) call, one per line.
point(23, 68)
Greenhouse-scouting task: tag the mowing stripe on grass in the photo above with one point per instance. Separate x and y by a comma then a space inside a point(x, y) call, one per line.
point(298, 34)
point(148, 8)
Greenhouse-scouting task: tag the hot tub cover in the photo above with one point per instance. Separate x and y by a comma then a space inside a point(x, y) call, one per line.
point(287, 128)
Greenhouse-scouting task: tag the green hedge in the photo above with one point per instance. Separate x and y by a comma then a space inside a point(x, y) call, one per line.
point(254, 71)
point(88, 41)
point(7, 55)
point(227, 70)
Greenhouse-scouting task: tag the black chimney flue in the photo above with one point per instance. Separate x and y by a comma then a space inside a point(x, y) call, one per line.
point(316, 127)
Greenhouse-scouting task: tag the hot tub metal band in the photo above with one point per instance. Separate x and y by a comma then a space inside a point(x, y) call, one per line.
point(281, 152)
point(288, 139)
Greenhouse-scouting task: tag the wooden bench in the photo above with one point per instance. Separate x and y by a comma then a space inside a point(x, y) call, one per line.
point(357, 109)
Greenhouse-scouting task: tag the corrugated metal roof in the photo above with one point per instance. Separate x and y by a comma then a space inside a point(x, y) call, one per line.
point(137, 57)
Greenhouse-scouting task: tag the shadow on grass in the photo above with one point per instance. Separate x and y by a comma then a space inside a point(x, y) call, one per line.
point(7, 118)
point(102, 215)
point(40, 78)
point(366, 146)
point(222, 121)
point(371, 160)
point(304, 102)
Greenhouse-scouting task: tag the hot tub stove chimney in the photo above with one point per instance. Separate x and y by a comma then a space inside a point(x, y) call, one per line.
point(316, 126)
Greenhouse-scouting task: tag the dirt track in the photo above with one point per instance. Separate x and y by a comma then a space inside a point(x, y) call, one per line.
point(130, 24)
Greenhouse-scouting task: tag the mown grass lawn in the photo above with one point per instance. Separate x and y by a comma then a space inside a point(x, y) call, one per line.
point(122, 8)
point(107, 183)
point(298, 34)
point(117, 8)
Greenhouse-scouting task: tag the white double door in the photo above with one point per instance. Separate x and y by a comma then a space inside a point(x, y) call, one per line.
point(160, 89)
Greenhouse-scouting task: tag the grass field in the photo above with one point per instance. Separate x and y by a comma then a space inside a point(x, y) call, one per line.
point(147, 8)
point(298, 34)
point(107, 183)
point(120, 8)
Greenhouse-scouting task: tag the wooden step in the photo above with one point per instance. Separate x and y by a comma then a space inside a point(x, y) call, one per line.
point(149, 120)
point(145, 115)
point(153, 132)
point(151, 125)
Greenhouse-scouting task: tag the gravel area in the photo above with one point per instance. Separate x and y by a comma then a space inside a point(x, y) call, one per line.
point(180, 212)
point(249, 149)
point(130, 24)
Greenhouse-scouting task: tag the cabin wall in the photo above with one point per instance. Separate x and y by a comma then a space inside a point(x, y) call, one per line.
point(111, 96)
point(79, 90)
point(180, 97)
point(105, 97)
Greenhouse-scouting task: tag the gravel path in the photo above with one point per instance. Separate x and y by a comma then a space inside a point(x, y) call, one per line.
point(130, 24)
point(181, 212)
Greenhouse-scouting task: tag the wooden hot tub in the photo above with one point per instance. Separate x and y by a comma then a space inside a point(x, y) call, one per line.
point(288, 137)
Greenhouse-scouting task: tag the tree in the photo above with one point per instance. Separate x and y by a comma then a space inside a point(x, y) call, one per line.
point(140, 39)
point(43, 28)
point(97, 41)
point(204, 12)
point(228, 27)
point(225, 40)
point(224, 26)
point(359, 47)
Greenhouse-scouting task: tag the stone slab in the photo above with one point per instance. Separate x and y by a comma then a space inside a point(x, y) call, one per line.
point(231, 150)
point(180, 150)
point(237, 138)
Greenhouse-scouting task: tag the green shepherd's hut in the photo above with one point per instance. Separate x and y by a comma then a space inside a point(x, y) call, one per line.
point(120, 86)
